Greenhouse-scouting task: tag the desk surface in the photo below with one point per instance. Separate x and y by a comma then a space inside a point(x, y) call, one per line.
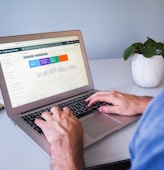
point(19, 152)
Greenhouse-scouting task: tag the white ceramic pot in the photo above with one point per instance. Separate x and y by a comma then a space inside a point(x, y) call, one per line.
point(147, 72)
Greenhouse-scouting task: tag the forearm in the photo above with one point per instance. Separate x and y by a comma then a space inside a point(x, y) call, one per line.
point(66, 158)
point(70, 164)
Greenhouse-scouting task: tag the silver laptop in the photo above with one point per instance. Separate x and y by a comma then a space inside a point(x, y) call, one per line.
point(38, 71)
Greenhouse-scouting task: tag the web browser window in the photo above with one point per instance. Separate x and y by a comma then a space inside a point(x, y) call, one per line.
point(37, 69)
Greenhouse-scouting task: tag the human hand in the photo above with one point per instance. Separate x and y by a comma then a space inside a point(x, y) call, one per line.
point(65, 134)
point(122, 103)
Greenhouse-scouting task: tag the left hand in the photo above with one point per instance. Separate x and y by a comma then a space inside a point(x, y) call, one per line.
point(64, 132)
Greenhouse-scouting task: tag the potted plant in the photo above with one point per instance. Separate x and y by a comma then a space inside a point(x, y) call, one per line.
point(147, 62)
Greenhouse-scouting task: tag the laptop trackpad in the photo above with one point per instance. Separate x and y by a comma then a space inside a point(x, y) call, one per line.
point(99, 124)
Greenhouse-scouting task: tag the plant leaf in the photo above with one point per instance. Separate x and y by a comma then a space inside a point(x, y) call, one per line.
point(159, 45)
point(128, 52)
point(149, 51)
point(138, 47)
point(149, 48)
point(151, 40)
point(162, 50)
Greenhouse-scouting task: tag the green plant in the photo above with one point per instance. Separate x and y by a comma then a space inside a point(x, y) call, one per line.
point(149, 48)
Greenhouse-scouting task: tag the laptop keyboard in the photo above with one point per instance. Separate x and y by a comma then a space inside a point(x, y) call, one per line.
point(78, 106)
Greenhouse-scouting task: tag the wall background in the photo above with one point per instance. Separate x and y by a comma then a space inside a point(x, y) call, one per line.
point(108, 26)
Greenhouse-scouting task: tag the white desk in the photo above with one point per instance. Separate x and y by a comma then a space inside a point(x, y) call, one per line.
point(19, 152)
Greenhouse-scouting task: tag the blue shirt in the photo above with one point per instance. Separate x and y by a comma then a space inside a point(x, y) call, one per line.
point(147, 145)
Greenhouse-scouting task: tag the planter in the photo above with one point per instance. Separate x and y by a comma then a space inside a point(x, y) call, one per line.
point(147, 72)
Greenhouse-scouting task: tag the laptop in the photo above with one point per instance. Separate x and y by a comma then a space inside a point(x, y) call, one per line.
point(38, 71)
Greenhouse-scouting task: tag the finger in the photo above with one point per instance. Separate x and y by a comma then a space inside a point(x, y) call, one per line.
point(67, 110)
point(110, 97)
point(49, 128)
point(56, 112)
point(109, 109)
point(114, 110)
point(46, 115)
point(98, 98)
point(40, 123)
point(97, 94)
point(94, 95)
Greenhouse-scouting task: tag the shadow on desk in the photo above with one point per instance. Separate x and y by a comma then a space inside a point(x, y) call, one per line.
point(121, 165)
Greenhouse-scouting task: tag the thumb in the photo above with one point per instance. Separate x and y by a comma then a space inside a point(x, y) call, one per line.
point(108, 109)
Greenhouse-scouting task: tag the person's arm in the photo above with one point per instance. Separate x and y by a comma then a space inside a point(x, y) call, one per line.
point(64, 132)
point(122, 103)
point(147, 145)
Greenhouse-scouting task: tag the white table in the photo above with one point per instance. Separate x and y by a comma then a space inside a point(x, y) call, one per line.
point(19, 152)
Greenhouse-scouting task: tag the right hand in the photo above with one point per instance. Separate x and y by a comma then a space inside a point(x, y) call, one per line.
point(122, 103)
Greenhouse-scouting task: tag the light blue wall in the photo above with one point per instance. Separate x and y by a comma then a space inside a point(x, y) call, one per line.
point(108, 26)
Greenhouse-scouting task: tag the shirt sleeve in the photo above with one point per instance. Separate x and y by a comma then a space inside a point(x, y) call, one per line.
point(147, 145)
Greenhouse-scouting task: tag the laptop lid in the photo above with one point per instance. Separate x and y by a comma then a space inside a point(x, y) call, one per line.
point(40, 69)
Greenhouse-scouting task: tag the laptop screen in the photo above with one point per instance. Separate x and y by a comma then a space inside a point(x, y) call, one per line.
point(37, 69)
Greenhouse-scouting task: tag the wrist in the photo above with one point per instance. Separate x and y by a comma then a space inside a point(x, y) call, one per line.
point(64, 156)
point(144, 101)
